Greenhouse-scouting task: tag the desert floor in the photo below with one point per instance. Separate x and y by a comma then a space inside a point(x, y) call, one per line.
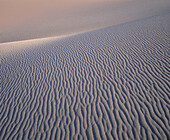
point(108, 83)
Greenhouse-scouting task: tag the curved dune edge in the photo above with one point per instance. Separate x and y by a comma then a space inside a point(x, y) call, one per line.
point(13, 46)
point(111, 83)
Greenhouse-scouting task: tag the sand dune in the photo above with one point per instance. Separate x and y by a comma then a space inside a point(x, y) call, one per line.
point(111, 83)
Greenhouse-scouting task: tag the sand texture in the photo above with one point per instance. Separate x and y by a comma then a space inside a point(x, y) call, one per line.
point(112, 83)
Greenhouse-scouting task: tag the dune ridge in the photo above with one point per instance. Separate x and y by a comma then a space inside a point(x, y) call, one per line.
point(111, 83)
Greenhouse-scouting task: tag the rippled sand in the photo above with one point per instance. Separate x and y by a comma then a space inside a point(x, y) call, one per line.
point(111, 83)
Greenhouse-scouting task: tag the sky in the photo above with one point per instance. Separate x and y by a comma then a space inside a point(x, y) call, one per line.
point(13, 12)
point(28, 19)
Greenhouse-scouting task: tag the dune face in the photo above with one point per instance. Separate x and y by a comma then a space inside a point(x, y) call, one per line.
point(111, 83)
point(30, 19)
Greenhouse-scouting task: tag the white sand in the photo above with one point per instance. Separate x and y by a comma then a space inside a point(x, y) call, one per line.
point(111, 83)
point(30, 19)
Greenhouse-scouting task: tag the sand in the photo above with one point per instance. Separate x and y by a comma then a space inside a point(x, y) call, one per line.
point(111, 83)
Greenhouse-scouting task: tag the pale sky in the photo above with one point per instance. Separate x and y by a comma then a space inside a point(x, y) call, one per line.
point(28, 19)
point(15, 11)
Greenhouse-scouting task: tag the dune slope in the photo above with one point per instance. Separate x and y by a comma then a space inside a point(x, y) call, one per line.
point(111, 83)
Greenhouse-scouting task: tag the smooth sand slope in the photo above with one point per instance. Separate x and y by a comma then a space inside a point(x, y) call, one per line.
point(112, 83)
point(30, 19)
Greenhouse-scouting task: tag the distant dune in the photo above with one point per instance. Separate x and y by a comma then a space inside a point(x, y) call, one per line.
point(30, 19)
point(111, 83)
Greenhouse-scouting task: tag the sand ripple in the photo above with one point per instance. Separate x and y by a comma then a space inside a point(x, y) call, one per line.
point(112, 83)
